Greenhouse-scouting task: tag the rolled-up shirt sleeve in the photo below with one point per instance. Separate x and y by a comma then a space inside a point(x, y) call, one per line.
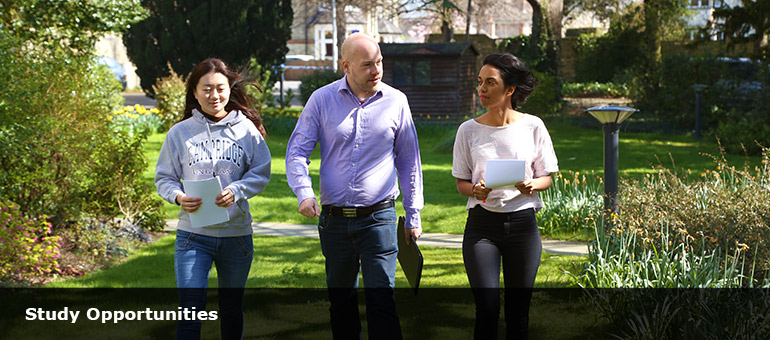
point(302, 142)
point(409, 167)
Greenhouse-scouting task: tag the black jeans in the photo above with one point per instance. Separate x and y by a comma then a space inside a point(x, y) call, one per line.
point(512, 238)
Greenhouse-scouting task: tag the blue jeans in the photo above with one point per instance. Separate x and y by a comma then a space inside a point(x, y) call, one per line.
point(367, 245)
point(192, 264)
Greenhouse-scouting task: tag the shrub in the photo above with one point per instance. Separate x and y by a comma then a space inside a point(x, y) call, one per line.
point(287, 98)
point(541, 59)
point(595, 89)
point(743, 136)
point(59, 157)
point(314, 81)
point(170, 94)
point(678, 231)
point(264, 79)
point(28, 249)
point(546, 99)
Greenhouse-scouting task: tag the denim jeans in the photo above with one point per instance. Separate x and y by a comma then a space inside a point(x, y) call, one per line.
point(192, 264)
point(367, 245)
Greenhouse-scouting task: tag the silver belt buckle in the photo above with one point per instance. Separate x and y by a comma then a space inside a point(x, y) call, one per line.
point(349, 212)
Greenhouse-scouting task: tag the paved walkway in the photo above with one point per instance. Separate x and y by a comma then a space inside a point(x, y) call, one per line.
point(428, 239)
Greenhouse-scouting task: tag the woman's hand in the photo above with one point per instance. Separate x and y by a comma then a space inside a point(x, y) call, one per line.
point(225, 199)
point(480, 191)
point(526, 186)
point(189, 204)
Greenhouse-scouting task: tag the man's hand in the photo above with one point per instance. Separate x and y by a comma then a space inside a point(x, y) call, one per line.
point(412, 233)
point(309, 208)
point(189, 204)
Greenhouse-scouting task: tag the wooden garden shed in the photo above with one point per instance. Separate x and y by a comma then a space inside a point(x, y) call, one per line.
point(439, 79)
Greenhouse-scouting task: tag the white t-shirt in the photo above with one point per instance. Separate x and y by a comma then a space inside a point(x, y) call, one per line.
point(527, 139)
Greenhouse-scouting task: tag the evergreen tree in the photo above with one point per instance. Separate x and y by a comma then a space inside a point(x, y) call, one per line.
point(181, 33)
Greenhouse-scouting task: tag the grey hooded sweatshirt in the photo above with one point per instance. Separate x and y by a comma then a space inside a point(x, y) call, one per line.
point(232, 149)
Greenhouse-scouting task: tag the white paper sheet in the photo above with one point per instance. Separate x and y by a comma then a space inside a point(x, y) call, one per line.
point(209, 213)
point(504, 172)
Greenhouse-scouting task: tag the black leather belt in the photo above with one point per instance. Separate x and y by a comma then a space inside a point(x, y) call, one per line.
point(352, 212)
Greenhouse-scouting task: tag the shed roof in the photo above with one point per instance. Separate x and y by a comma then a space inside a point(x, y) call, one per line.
point(426, 49)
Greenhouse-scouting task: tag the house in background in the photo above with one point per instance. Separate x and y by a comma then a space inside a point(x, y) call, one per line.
point(312, 27)
point(439, 79)
point(702, 14)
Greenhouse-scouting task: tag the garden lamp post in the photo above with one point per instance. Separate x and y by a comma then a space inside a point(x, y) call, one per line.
point(698, 91)
point(611, 116)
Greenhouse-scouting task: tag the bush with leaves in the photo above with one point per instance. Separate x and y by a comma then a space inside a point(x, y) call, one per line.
point(56, 143)
point(314, 81)
point(263, 77)
point(545, 100)
point(29, 251)
point(595, 89)
point(170, 92)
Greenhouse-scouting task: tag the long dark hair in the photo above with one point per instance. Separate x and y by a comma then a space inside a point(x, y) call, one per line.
point(514, 73)
point(239, 99)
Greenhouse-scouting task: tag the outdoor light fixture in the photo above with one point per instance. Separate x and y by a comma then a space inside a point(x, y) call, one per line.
point(611, 116)
point(698, 91)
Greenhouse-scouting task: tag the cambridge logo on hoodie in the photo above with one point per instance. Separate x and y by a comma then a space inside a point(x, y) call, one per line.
point(219, 149)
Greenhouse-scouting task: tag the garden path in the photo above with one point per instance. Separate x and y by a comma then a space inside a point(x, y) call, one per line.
point(558, 247)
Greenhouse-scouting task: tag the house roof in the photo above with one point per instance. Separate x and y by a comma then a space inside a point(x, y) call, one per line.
point(426, 49)
point(325, 17)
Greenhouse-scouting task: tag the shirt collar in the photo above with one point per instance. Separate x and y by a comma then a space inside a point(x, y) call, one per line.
point(343, 86)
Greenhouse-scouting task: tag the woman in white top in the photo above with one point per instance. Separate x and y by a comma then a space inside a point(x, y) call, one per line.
point(501, 224)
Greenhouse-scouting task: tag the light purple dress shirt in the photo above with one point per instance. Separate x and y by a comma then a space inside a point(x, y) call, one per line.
point(366, 149)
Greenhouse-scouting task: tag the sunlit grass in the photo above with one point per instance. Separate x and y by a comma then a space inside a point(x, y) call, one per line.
point(296, 262)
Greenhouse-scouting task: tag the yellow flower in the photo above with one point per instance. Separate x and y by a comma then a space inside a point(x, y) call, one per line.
point(109, 117)
point(154, 110)
point(428, 116)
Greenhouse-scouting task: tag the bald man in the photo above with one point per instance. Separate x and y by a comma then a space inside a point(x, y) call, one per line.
point(368, 146)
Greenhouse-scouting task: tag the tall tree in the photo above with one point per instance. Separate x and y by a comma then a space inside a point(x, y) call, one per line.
point(446, 11)
point(69, 26)
point(181, 33)
point(546, 25)
point(748, 23)
point(659, 15)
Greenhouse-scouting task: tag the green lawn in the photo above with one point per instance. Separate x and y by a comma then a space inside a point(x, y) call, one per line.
point(296, 262)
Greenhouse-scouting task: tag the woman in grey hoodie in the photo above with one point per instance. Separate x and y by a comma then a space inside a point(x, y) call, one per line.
point(221, 135)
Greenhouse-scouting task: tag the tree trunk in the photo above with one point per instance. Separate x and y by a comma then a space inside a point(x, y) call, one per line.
point(546, 24)
point(447, 33)
point(537, 25)
point(652, 58)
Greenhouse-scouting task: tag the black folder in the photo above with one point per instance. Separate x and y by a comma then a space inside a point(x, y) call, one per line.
point(410, 257)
